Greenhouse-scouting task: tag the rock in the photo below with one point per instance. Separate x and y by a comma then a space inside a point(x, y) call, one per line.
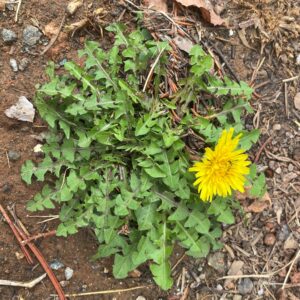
point(298, 60)
point(245, 286)
point(183, 44)
point(217, 261)
point(10, 5)
point(290, 167)
point(237, 297)
point(276, 127)
point(8, 36)
point(23, 110)
point(296, 154)
point(31, 35)
point(64, 283)
point(290, 243)
point(23, 64)
point(13, 64)
point(283, 233)
point(62, 62)
point(135, 273)
point(56, 265)
point(269, 239)
point(140, 298)
point(297, 101)
point(69, 273)
point(84, 287)
point(6, 188)
point(13, 155)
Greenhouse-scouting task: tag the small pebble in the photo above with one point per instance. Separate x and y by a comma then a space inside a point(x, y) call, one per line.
point(283, 233)
point(269, 239)
point(10, 5)
point(296, 154)
point(56, 265)
point(278, 170)
point(8, 36)
point(14, 65)
point(217, 261)
point(68, 273)
point(219, 287)
point(290, 167)
point(64, 283)
point(272, 164)
point(276, 127)
point(260, 292)
point(13, 155)
point(6, 188)
point(31, 35)
point(62, 62)
point(84, 287)
point(23, 64)
point(298, 60)
point(237, 297)
point(245, 286)
point(140, 298)
point(230, 32)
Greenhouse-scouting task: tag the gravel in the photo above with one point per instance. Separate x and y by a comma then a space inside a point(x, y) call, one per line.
point(14, 65)
point(13, 155)
point(245, 286)
point(23, 64)
point(8, 36)
point(31, 35)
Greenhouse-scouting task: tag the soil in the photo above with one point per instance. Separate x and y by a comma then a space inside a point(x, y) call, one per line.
point(264, 240)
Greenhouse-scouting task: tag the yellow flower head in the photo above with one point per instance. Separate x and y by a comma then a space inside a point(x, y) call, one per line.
point(222, 169)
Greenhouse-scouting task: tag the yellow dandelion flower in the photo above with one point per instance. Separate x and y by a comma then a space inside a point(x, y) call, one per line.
point(222, 169)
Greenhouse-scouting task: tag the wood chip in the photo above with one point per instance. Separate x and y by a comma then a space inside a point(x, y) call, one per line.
point(297, 101)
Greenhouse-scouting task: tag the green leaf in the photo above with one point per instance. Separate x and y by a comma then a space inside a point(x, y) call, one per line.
point(67, 150)
point(144, 125)
point(155, 172)
point(27, 171)
point(122, 265)
point(220, 208)
point(259, 186)
point(146, 216)
point(161, 270)
point(248, 139)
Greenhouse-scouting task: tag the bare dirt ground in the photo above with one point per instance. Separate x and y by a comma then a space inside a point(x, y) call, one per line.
point(260, 44)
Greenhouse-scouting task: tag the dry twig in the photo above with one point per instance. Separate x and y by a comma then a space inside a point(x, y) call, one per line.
point(54, 38)
point(27, 284)
point(17, 235)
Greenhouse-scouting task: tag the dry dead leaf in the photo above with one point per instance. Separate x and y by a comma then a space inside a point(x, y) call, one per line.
point(243, 196)
point(297, 101)
point(207, 10)
point(260, 204)
point(159, 5)
point(23, 110)
point(242, 36)
point(75, 26)
point(51, 29)
point(73, 6)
